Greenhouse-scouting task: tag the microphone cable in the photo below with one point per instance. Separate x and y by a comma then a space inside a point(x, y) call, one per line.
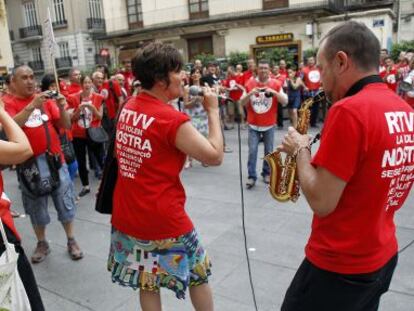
point(238, 121)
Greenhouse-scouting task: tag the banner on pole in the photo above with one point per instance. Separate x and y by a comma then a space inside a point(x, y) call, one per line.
point(49, 35)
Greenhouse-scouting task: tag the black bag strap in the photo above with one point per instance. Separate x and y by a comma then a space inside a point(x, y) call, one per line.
point(111, 89)
point(48, 140)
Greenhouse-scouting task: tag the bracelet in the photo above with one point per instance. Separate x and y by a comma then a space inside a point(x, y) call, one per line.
point(296, 153)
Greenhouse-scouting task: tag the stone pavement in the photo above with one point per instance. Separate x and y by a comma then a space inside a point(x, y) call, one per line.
point(277, 232)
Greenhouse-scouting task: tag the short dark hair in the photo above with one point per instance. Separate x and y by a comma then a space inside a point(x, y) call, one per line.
point(357, 41)
point(47, 81)
point(154, 62)
point(264, 61)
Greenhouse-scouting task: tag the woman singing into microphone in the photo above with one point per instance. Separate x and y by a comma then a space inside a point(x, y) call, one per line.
point(154, 243)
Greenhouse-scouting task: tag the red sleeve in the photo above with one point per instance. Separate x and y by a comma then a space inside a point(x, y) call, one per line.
point(226, 83)
point(178, 119)
point(117, 88)
point(97, 100)
point(10, 107)
point(342, 143)
point(73, 101)
point(53, 110)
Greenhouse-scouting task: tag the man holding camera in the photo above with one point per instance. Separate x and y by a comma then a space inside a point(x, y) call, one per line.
point(261, 100)
point(38, 115)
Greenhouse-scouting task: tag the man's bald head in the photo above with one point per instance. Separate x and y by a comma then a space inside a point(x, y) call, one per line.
point(23, 81)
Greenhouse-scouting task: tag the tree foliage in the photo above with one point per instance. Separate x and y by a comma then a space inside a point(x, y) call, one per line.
point(235, 58)
point(399, 47)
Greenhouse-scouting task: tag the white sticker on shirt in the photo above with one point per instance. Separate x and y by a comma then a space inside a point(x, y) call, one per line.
point(260, 103)
point(35, 119)
point(314, 76)
point(391, 79)
point(232, 84)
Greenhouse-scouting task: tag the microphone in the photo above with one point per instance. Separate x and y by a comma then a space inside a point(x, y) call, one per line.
point(194, 90)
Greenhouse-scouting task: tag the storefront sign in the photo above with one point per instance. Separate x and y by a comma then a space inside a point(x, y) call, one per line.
point(283, 37)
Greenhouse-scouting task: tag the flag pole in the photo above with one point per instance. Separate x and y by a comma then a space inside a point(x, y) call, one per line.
point(50, 37)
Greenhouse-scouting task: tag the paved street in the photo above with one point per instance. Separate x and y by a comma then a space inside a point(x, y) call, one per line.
point(276, 233)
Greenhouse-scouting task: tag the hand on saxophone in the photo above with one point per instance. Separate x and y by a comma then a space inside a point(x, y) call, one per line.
point(294, 142)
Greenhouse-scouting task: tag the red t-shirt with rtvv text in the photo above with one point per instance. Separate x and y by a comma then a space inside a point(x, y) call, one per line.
point(149, 198)
point(262, 110)
point(34, 128)
point(367, 141)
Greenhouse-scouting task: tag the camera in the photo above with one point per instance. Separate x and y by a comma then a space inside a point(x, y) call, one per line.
point(267, 94)
point(52, 94)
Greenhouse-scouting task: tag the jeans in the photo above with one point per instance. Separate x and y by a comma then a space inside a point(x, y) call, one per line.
point(253, 141)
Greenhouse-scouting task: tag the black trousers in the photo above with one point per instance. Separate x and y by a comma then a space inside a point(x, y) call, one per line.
point(279, 115)
point(314, 289)
point(81, 145)
point(25, 272)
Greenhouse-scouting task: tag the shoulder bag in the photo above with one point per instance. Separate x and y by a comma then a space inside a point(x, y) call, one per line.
point(40, 174)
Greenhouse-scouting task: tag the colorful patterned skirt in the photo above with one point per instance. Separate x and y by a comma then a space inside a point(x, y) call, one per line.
point(174, 263)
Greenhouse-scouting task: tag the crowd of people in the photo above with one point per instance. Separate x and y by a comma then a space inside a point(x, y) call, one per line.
point(165, 118)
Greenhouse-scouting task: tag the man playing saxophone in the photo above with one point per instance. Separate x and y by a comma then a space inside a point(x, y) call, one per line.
point(359, 177)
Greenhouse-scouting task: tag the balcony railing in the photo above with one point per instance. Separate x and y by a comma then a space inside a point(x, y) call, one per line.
point(36, 65)
point(31, 31)
point(97, 24)
point(347, 5)
point(63, 62)
point(60, 24)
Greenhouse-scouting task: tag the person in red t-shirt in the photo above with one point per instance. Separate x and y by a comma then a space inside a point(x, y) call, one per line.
point(312, 80)
point(16, 151)
point(74, 82)
point(149, 218)
point(390, 74)
point(48, 83)
point(263, 95)
point(87, 111)
point(250, 72)
point(128, 75)
point(233, 85)
point(358, 179)
point(39, 116)
point(111, 91)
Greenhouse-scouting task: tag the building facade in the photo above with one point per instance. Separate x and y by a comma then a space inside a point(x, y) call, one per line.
point(6, 56)
point(406, 21)
point(76, 23)
point(220, 27)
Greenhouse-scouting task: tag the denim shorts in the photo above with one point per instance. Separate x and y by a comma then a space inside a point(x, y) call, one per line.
point(63, 199)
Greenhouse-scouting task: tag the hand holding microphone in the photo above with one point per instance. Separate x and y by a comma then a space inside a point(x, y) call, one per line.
point(210, 101)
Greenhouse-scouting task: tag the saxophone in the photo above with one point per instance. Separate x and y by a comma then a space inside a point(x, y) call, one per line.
point(284, 182)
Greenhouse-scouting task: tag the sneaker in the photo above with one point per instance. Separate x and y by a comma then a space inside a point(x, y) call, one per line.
point(41, 251)
point(84, 192)
point(266, 179)
point(74, 250)
point(250, 183)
